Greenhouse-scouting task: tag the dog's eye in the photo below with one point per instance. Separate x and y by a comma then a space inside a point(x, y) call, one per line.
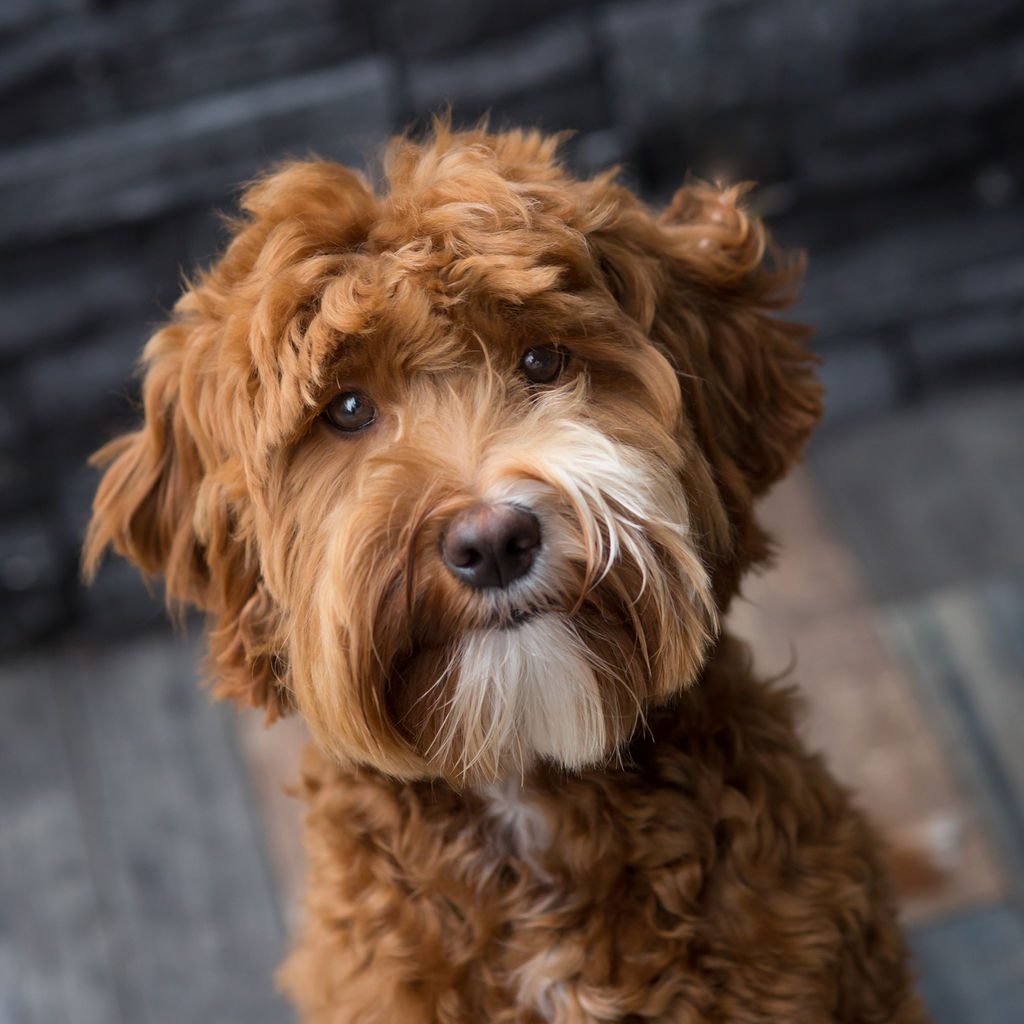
point(543, 364)
point(350, 411)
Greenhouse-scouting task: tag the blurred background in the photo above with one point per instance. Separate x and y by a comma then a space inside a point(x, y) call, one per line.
point(149, 859)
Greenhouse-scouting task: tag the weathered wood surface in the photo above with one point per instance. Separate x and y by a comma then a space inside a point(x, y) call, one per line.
point(134, 881)
point(810, 618)
point(273, 758)
point(932, 496)
point(965, 650)
point(965, 647)
point(972, 967)
point(55, 956)
point(931, 504)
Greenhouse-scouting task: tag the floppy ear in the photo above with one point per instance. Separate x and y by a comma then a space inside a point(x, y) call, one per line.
point(762, 398)
point(145, 504)
point(704, 283)
point(174, 497)
point(158, 506)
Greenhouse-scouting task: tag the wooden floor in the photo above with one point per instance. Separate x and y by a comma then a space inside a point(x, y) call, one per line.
point(930, 503)
point(134, 883)
point(931, 497)
point(150, 864)
point(812, 612)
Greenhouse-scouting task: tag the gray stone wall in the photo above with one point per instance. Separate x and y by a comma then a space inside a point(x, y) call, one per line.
point(888, 134)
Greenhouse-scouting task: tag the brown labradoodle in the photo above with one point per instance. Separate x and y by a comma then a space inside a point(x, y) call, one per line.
point(463, 471)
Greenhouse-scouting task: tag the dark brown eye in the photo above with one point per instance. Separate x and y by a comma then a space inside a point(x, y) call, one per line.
point(350, 411)
point(543, 364)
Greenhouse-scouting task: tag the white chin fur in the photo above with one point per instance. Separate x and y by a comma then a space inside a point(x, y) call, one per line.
point(529, 693)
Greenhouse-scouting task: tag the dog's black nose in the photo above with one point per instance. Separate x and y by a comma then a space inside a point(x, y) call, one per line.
point(491, 545)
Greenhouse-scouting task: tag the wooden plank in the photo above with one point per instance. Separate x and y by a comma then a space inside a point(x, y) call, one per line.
point(272, 756)
point(143, 167)
point(55, 965)
point(967, 655)
point(972, 967)
point(195, 929)
point(811, 616)
point(931, 496)
point(134, 883)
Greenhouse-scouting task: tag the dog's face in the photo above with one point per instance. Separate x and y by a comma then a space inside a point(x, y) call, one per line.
point(463, 472)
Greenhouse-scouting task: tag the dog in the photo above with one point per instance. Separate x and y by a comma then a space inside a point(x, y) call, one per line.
point(462, 469)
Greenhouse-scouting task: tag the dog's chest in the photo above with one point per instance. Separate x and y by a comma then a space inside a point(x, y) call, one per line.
point(517, 821)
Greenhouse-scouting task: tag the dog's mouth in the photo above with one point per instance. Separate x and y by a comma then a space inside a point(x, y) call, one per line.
point(518, 617)
point(513, 618)
point(521, 605)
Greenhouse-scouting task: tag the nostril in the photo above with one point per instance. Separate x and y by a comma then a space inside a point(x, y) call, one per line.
point(519, 545)
point(467, 558)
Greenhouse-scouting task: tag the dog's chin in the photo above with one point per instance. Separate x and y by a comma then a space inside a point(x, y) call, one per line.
point(551, 691)
point(518, 691)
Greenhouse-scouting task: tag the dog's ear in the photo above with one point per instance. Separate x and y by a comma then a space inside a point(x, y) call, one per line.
point(173, 497)
point(718, 319)
point(705, 285)
point(145, 506)
point(161, 505)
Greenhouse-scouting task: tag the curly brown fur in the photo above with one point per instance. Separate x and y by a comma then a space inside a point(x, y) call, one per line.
point(720, 877)
point(560, 799)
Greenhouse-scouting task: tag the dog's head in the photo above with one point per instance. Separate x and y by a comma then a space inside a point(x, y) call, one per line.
point(464, 471)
